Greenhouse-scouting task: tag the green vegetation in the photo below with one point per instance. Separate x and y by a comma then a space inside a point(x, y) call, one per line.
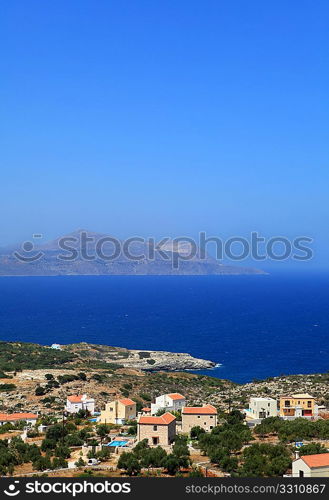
point(145, 396)
point(262, 459)
point(12, 427)
point(143, 456)
point(143, 355)
point(16, 356)
point(294, 430)
point(16, 453)
point(7, 387)
point(312, 449)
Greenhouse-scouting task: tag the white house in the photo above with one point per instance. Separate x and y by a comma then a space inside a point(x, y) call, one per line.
point(80, 402)
point(311, 466)
point(168, 402)
point(262, 408)
point(13, 418)
point(56, 346)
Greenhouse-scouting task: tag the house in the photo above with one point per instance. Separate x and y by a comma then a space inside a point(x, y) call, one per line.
point(146, 411)
point(298, 405)
point(56, 346)
point(118, 412)
point(168, 402)
point(262, 408)
point(79, 402)
point(13, 418)
point(203, 416)
point(311, 466)
point(157, 430)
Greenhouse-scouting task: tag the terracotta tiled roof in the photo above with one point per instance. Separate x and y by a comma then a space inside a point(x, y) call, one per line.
point(319, 460)
point(127, 402)
point(75, 399)
point(176, 396)
point(164, 419)
point(5, 417)
point(199, 410)
point(146, 409)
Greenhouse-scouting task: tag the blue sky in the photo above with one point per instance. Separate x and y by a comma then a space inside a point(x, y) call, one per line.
point(165, 118)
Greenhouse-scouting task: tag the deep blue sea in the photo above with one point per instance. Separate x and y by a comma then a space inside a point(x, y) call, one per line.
point(255, 326)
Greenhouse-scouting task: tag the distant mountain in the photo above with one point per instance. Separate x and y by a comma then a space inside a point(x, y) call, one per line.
point(84, 252)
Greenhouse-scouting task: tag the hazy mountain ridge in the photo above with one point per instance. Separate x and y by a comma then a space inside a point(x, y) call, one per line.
point(88, 261)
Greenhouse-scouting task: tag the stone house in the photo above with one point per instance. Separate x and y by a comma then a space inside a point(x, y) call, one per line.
point(157, 430)
point(203, 416)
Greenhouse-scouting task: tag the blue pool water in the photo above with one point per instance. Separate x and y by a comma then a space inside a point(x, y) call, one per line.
point(254, 326)
point(118, 443)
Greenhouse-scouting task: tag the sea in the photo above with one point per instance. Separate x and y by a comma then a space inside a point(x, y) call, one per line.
point(253, 327)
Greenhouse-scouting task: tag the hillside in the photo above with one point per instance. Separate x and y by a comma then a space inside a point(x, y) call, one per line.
point(36, 378)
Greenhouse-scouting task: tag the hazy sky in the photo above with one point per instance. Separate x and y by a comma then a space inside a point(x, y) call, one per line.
point(165, 118)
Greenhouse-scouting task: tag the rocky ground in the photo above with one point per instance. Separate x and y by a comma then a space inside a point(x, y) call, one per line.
point(138, 359)
point(144, 387)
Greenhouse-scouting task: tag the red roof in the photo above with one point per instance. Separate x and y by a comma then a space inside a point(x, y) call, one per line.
point(164, 419)
point(319, 460)
point(5, 417)
point(75, 399)
point(146, 409)
point(176, 396)
point(199, 410)
point(127, 402)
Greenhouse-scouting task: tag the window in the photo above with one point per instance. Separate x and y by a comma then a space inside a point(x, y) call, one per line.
point(155, 427)
point(309, 404)
point(111, 409)
point(199, 416)
point(287, 402)
point(211, 416)
point(211, 427)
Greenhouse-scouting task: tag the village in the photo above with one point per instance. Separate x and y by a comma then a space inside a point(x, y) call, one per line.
point(287, 436)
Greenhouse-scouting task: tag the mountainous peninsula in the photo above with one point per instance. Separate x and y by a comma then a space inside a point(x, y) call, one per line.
point(87, 253)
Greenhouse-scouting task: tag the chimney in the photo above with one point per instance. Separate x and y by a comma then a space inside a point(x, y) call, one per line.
point(297, 454)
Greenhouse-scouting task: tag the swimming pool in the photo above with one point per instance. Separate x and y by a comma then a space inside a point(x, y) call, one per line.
point(118, 443)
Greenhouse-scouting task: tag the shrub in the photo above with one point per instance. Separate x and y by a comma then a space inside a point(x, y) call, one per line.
point(7, 387)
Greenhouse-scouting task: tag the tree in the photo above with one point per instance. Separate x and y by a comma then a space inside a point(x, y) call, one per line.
point(129, 462)
point(140, 448)
point(56, 432)
point(263, 459)
point(40, 391)
point(102, 431)
point(62, 451)
point(59, 463)
point(172, 464)
point(42, 463)
point(104, 454)
point(48, 444)
point(312, 449)
point(80, 462)
point(196, 432)
point(152, 457)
